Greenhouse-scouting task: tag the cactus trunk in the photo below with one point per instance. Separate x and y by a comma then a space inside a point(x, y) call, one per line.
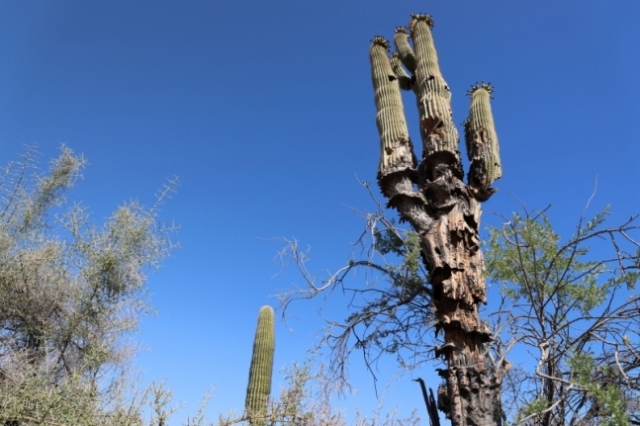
point(443, 211)
point(259, 388)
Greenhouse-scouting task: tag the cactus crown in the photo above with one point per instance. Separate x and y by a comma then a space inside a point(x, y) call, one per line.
point(484, 86)
point(401, 29)
point(417, 17)
point(380, 41)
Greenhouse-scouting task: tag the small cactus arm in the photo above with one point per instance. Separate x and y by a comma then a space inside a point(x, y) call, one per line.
point(482, 143)
point(259, 388)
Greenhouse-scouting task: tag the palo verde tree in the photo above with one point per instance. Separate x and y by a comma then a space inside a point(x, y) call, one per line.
point(69, 291)
point(571, 302)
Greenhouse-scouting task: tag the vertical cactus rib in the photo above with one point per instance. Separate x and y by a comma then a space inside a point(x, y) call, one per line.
point(259, 388)
point(439, 134)
point(481, 140)
point(396, 150)
point(404, 49)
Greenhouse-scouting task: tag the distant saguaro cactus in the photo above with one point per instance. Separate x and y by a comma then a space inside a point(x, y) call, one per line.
point(259, 388)
point(444, 211)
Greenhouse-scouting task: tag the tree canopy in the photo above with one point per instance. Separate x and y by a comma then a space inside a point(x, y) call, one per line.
point(70, 290)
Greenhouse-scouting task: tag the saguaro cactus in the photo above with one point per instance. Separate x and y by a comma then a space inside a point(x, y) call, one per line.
point(259, 388)
point(442, 209)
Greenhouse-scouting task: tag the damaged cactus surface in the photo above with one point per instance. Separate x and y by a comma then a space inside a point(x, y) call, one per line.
point(442, 209)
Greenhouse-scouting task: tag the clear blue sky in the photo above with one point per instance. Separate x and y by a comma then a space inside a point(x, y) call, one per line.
point(265, 111)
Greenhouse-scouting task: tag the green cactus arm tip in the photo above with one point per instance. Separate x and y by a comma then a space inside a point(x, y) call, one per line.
point(424, 47)
point(481, 86)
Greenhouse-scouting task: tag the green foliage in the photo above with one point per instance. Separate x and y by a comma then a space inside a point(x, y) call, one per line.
point(610, 397)
point(69, 291)
point(528, 257)
point(538, 405)
point(576, 306)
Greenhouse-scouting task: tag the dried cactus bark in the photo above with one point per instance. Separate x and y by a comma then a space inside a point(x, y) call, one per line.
point(442, 209)
point(260, 373)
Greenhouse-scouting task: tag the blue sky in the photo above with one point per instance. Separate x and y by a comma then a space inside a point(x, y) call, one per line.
point(265, 112)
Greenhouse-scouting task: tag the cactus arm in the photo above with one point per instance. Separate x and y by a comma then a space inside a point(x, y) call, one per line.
point(396, 170)
point(404, 49)
point(439, 134)
point(259, 388)
point(396, 150)
point(481, 140)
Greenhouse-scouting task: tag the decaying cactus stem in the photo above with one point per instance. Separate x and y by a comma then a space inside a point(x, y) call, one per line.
point(482, 143)
point(439, 134)
point(259, 388)
point(396, 170)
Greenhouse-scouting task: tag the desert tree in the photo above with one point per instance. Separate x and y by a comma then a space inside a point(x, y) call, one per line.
point(571, 303)
point(70, 291)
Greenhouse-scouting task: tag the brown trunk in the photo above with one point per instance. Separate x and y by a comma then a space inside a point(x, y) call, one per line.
point(448, 224)
point(471, 395)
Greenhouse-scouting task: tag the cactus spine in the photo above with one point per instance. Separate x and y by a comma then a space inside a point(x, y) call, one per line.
point(259, 388)
point(443, 211)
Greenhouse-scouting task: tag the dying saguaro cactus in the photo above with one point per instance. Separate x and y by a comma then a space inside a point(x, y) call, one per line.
point(259, 388)
point(442, 209)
